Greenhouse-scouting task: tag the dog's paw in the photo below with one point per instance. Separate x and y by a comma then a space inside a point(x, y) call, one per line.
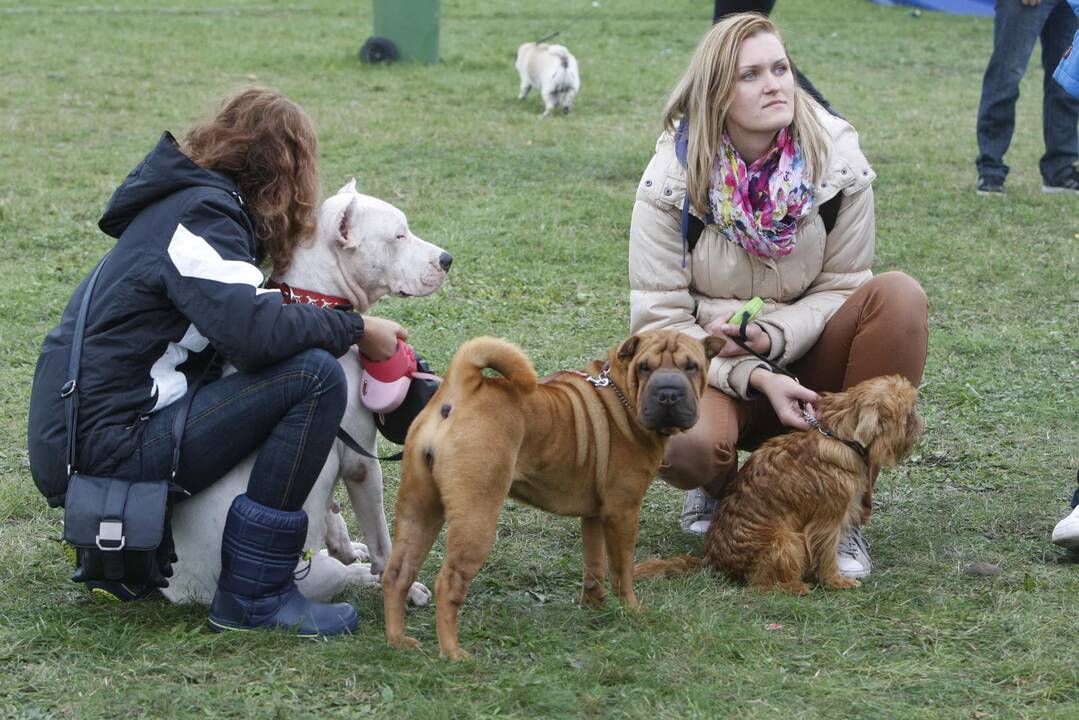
point(455, 654)
point(419, 595)
point(360, 553)
point(405, 642)
point(593, 600)
point(798, 588)
point(842, 583)
point(360, 574)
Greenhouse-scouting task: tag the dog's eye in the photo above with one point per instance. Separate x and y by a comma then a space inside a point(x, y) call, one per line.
point(400, 237)
point(692, 367)
point(643, 369)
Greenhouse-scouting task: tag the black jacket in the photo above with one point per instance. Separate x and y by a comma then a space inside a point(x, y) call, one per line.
point(181, 281)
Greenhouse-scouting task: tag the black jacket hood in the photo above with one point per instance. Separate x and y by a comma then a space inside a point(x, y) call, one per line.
point(163, 171)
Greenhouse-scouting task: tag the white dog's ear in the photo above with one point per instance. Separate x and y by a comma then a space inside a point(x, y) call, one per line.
point(348, 226)
point(349, 187)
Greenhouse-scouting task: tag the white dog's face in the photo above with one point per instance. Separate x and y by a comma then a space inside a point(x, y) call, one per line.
point(375, 250)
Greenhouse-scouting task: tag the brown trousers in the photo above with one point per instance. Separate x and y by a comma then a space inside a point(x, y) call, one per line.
point(881, 329)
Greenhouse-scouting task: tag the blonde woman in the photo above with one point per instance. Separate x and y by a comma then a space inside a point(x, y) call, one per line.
point(755, 190)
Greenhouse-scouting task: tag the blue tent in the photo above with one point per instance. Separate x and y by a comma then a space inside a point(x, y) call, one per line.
point(955, 7)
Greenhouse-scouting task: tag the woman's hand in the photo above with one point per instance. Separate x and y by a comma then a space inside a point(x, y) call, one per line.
point(756, 338)
point(379, 341)
point(784, 393)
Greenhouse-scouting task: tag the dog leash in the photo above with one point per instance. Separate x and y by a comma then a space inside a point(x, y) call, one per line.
point(600, 381)
point(605, 380)
point(856, 446)
point(351, 444)
point(807, 415)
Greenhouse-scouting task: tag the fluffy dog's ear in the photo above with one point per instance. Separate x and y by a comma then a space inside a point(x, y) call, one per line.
point(868, 425)
point(348, 227)
point(350, 187)
point(628, 348)
point(712, 345)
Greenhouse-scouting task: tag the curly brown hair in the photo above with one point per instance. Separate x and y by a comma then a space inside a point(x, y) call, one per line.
point(266, 144)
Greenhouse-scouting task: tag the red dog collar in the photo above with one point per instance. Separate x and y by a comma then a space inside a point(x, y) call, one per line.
point(307, 297)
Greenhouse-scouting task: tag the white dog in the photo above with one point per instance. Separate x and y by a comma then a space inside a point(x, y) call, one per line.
point(363, 250)
point(552, 69)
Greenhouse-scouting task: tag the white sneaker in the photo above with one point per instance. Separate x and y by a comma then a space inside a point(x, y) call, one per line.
point(853, 554)
point(1066, 533)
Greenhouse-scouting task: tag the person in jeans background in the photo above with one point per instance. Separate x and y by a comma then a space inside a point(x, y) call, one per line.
point(1066, 532)
point(193, 222)
point(1017, 26)
point(1067, 72)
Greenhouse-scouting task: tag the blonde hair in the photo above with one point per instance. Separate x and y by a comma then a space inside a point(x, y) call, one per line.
point(704, 95)
point(267, 145)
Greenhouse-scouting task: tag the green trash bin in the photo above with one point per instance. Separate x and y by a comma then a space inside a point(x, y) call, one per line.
point(405, 30)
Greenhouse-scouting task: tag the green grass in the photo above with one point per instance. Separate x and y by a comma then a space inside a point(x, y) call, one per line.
point(536, 213)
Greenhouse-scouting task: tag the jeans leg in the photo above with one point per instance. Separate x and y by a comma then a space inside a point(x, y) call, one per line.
point(1015, 31)
point(292, 409)
point(1060, 111)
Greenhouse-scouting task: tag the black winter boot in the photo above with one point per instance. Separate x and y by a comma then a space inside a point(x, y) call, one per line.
point(259, 551)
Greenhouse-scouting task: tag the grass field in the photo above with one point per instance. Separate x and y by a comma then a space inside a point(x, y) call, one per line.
point(536, 213)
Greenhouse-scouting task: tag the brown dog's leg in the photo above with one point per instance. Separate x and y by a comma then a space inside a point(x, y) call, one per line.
point(593, 594)
point(472, 520)
point(620, 532)
point(824, 551)
point(782, 566)
point(419, 520)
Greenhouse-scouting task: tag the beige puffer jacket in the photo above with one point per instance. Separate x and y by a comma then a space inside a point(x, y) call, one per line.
point(801, 291)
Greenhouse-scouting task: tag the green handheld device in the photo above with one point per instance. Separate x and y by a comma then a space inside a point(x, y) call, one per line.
point(748, 313)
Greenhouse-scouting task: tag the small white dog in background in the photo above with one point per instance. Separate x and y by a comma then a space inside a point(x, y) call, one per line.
point(552, 69)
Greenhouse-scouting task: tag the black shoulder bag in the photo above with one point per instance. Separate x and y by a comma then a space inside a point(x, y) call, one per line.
point(118, 527)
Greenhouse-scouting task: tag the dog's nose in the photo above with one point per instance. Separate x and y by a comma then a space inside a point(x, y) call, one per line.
point(669, 395)
point(445, 260)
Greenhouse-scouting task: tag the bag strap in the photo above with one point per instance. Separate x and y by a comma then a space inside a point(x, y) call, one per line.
point(69, 391)
point(829, 212)
point(180, 421)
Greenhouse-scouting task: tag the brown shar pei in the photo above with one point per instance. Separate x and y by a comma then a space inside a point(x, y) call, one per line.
point(566, 446)
point(781, 519)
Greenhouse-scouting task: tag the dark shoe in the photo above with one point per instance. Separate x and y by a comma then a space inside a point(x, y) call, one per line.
point(1069, 183)
point(989, 185)
point(257, 589)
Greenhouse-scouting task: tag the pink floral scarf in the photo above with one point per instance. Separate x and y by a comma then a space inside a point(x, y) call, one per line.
point(759, 206)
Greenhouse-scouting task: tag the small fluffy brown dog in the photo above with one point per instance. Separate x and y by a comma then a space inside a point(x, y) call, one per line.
point(577, 445)
point(781, 520)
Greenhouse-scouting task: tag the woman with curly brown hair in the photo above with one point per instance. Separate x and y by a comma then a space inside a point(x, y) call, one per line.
point(194, 222)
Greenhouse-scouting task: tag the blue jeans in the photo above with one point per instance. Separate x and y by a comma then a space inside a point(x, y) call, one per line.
point(1016, 28)
point(292, 409)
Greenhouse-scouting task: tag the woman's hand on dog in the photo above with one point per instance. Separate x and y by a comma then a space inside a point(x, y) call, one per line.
point(379, 341)
point(756, 338)
point(784, 393)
